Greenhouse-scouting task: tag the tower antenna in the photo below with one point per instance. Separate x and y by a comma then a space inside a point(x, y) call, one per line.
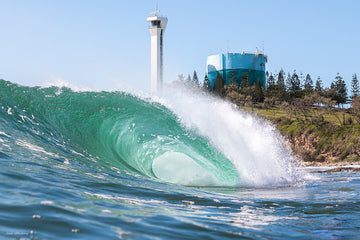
point(156, 12)
point(227, 45)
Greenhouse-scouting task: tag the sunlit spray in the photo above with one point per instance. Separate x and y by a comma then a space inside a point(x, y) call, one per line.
point(253, 145)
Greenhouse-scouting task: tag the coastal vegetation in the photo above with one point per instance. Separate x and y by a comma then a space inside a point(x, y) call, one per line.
point(321, 124)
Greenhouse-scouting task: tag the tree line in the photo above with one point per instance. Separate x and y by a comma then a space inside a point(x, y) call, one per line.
point(292, 92)
point(289, 87)
point(280, 87)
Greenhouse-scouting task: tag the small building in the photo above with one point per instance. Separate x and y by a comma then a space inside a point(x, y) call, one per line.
point(233, 67)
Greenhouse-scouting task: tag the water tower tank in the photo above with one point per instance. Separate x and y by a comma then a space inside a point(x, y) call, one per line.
point(233, 67)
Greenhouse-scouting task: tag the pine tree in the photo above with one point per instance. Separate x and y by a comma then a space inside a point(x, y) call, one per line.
point(245, 81)
point(355, 89)
point(341, 86)
point(281, 80)
point(219, 85)
point(293, 85)
point(245, 89)
point(188, 79)
point(280, 86)
point(232, 78)
point(296, 84)
point(195, 79)
point(339, 89)
point(270, 86)
point(206, 84)
point(319, 87)
point(288, 83)
point(308, 84)
point(301, 77)
point(271, 82)
point(258, 92)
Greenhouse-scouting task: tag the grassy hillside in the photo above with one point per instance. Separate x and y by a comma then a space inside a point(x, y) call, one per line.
point(317, 135)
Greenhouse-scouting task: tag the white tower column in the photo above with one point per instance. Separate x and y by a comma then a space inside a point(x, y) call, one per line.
point(157, 30)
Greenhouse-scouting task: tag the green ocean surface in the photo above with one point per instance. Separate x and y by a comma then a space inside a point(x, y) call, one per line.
point(115, 165)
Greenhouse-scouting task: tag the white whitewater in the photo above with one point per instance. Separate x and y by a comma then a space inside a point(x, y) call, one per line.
point(253, 145)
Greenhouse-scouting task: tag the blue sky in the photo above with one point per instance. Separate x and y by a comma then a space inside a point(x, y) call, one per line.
point(106, 44)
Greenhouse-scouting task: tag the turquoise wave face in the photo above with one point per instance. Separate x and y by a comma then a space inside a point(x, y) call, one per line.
point(115, 130)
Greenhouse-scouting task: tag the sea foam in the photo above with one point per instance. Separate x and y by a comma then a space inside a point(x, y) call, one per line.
point(253, 145)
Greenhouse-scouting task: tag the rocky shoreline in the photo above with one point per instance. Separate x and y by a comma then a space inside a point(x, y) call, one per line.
point(305, 147)
point(338, 169)
point(330, 166)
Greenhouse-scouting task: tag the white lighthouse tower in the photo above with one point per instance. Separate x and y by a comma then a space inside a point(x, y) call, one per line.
point(157, 30)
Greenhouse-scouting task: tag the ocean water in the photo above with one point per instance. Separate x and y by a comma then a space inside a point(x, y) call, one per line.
point(115, 165)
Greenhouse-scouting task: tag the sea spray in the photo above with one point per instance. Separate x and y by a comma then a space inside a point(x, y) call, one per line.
point(253, 145)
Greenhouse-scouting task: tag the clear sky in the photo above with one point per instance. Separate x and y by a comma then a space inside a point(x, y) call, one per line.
point(105, 45)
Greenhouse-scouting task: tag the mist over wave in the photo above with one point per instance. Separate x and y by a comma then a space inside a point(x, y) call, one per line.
point(182, 137)
point(253, 145)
